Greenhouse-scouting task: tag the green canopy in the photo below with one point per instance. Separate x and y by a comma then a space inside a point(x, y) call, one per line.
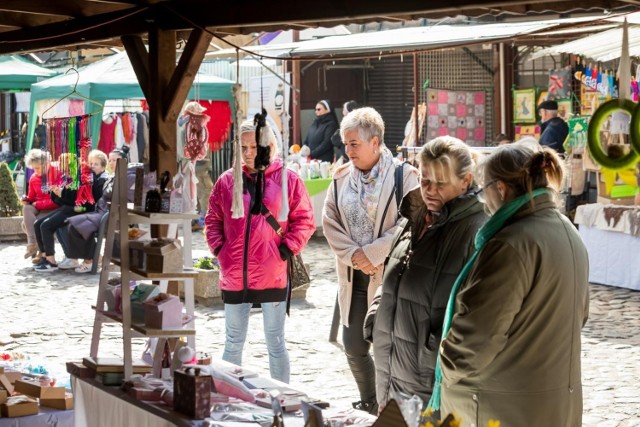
point(18, 74)
point(113, 78)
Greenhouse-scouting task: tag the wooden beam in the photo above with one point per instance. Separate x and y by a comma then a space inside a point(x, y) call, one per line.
point(139, 57)
point(185, 73)
point(162, 133)
point(22, 20)
point(75, 31)
point(62, 8)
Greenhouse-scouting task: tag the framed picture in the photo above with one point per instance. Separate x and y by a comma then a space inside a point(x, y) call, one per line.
point(565, 108)
point(542, 96)
point(524, 108)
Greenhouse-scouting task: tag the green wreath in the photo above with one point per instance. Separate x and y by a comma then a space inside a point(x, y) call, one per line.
point(593, 135)
point(634, 130)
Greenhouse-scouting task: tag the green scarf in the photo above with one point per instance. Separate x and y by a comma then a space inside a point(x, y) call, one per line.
point(486, 233)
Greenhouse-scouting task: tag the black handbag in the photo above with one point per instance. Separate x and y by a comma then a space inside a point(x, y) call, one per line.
point(297, 271)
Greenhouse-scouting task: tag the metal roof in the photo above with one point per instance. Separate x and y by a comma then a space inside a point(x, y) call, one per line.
point(406, 39)
point(604, 46)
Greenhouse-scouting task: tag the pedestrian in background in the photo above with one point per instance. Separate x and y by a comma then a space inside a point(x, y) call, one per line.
point(511, 349)
point(36, 203)
point(252, 254)
point(359, 221)
point(318, 137)
point(336, 139)
point(442, 216)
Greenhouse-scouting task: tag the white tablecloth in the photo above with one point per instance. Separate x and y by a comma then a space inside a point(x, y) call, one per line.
point(614, 257)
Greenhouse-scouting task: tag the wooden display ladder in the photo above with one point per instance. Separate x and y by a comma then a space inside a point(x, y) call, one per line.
point(119, 218)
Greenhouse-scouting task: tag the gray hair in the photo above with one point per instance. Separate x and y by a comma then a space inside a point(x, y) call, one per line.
point(367, 121)
point(248, 126)
point(37, 156)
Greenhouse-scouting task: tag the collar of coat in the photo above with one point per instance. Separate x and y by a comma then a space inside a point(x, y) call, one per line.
point(541, 202)
point(414, 209)
point(273, 166)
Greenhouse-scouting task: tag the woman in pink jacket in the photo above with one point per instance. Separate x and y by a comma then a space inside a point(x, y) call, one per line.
point(252, 255)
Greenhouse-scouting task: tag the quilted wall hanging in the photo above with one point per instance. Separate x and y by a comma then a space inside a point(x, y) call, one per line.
point(461, 114)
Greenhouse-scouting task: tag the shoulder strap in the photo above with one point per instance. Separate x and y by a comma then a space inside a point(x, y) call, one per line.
point(399, 183)
point(335, 195)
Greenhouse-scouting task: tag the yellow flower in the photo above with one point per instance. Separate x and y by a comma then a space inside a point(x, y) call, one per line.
point(493, 423)
point(455, 422)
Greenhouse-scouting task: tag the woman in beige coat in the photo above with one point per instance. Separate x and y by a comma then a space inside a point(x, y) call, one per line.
point(512, 352)
point(359, 221)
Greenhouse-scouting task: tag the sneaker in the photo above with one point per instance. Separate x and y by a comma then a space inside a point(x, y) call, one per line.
point(68, 264)
point(46, 267)
point(370, 407)
point(40, 262)
point(84, 268)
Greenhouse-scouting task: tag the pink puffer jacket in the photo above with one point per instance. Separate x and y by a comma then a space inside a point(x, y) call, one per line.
point(251, 267)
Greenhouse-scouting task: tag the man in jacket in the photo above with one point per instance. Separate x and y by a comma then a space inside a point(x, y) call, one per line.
point(554, 129)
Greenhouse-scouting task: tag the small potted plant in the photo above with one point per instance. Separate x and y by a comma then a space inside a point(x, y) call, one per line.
point(10, 207)
point(205, 286)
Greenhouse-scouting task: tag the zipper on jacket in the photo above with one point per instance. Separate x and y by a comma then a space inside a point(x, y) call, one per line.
point(245, 260)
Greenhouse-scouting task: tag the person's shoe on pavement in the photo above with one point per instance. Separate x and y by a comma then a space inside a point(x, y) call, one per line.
point(46, 267)
point(68, 264)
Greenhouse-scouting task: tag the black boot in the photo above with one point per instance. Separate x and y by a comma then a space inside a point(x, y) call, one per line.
point(370, 407)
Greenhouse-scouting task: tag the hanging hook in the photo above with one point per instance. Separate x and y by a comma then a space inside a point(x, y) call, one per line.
point(75, 86)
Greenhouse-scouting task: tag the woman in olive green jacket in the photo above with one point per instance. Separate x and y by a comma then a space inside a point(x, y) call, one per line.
point(512, 352)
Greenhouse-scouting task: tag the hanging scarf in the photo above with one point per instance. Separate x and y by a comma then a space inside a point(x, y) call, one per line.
point(368, 186)
point(486, 233)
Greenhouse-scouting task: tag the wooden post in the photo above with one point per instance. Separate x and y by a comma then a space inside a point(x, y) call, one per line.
point(295, 97)
point(162, 133)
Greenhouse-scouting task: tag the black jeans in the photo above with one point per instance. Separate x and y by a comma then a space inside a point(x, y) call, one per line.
point(355, 347)
point(46, 227)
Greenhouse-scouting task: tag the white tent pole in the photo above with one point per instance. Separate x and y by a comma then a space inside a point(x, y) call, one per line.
point(503, 95)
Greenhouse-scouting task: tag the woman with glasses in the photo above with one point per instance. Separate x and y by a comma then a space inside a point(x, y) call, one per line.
point(359, 220)
point(441, 218)
point(318, 137)
point(511, 347)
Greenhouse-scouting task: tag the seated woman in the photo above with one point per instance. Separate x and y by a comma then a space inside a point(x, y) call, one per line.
point(46, 227)
point(80, 231)
point(36, 203)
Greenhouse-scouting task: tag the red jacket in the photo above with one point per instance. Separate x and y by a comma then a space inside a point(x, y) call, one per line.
point(251, 267)
point(39, 199)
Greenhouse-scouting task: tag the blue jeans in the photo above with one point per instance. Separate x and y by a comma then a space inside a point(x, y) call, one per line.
point(236, 324)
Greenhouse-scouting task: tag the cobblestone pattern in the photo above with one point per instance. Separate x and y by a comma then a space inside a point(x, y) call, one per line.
point(48, 316)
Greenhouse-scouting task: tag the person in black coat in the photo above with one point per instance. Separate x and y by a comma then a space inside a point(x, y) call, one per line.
point(554, 130)
point(336, 140)
point(440, 221)
point(319, 136)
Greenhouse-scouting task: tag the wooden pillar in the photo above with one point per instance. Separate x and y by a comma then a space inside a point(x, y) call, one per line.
point(508, 57)
point(162, 133)
point(295, 97)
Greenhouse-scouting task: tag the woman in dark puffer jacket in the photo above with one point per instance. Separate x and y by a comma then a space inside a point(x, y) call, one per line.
point(323, 127)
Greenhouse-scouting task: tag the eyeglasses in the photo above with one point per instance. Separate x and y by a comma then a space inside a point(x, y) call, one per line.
point(480, 191)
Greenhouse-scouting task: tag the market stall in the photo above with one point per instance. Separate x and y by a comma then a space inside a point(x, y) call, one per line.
point(111, 78)
point(612, 236)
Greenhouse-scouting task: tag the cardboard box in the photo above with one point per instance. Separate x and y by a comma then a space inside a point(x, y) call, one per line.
point(6, 384)
point(34, 389)
point(137, 255)
point(77, 369)
point(114, 365)
point(163, 312)
point(145, 394)
point(19, 406)
point(3, 396)
point(164, 256)
point(64, 404)
point(13, 376)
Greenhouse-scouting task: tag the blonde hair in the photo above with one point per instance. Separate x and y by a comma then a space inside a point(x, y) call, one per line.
point(448, 156)
point(367, 121)
point(100, 156)
point(37, 156)
point(524, 166)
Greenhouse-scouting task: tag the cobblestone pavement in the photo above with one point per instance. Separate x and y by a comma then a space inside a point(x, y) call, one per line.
point(48, 317)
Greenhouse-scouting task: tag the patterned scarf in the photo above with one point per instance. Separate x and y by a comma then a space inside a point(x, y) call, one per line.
point(368, 186)
point(486, 233)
